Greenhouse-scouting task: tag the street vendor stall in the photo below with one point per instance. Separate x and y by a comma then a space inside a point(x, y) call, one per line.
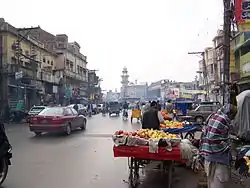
point(143, 146)
point(175, 127)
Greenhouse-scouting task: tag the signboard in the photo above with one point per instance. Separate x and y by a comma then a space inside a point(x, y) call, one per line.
point(242, 14)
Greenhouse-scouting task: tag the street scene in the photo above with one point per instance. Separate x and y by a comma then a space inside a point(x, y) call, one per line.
point(128, 94)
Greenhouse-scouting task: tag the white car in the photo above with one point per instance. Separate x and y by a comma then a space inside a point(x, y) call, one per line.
point(81, 108)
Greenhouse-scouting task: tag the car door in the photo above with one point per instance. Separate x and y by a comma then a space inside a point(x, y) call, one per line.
point(78, 118)
point(71, 117)
point(207, 111)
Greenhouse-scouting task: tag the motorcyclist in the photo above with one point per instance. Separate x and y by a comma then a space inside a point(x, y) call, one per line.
point(125, 109)
point(90, 109)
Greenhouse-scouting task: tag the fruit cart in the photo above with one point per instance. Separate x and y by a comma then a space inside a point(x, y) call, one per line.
point(138, 149)
point(188, 129)
point(138, 156)
point(136, 114)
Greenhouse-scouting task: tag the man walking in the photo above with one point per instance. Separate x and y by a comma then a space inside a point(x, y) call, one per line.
point(215, 147)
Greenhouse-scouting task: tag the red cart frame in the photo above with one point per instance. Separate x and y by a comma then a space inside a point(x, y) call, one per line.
point(137, 155)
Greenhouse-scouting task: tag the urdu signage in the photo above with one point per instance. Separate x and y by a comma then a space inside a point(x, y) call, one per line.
point(242, 14)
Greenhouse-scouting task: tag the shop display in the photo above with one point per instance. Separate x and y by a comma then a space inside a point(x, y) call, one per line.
point(143, 137)
point(173, 124)
point(147, 134)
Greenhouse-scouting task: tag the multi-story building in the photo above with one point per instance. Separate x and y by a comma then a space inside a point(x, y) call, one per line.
point(38, 67)
point(139, 91)
point(71, 65)
point(26, 67)
point(240, 68)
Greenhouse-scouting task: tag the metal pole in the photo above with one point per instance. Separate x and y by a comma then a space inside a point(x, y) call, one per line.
point(227, 34)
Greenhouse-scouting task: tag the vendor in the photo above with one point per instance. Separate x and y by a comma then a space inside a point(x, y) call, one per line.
point(152, 118)
point(215, 147)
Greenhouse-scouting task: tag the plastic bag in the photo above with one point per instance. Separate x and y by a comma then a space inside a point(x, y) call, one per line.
point(241, 123)
point(188, 151)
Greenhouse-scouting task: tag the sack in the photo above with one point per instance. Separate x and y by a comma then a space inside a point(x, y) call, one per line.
point(241, 123)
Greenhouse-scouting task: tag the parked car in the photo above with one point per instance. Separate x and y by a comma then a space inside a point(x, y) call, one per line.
point(82, 110)
point(35, 110)
point(57, 119)
point(201, 113)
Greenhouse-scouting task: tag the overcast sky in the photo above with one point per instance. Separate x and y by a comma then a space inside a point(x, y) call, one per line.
point(151, 38)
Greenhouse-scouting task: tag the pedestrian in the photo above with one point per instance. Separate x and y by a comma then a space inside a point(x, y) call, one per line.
point(152, 118)
point(215, 147)
point(158, 105)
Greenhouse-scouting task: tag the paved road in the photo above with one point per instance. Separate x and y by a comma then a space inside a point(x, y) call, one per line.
point(83, 159)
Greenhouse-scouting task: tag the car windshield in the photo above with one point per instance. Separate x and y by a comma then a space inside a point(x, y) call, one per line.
point(52, 112)
point(37, 109)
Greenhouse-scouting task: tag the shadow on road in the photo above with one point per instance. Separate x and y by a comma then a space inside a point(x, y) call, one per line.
point(55, 136)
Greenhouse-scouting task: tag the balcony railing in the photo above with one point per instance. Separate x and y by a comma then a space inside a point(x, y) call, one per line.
point(75, 75)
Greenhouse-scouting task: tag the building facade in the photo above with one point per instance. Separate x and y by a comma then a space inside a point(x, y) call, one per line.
point(71, 66)
point(40, 68)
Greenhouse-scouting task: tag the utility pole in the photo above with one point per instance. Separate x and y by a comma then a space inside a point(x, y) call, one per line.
point(91, 82)
point(204, 71)
point(20, 38)
point(228, 16)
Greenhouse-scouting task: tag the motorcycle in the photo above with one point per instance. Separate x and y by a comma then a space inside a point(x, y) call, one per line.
point(5, 154)
point(90, 113)
point(125, 115)
point(103, 112)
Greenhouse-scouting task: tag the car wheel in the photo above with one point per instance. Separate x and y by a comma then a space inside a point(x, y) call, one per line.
point(68, 129)
point(199, 119)
point(38, 133)
point(83, 127)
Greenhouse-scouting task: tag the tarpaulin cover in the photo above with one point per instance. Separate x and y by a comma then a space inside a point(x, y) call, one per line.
point(242, 119)
point(142, 152)
point(185, 129)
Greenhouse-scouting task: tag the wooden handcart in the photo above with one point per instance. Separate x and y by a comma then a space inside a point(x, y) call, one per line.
point(139, 156)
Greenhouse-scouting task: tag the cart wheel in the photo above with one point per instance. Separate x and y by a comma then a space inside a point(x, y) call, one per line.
point(133, 173)
point(189, 135)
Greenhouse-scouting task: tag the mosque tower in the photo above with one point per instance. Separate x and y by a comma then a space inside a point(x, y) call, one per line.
point(124, 82)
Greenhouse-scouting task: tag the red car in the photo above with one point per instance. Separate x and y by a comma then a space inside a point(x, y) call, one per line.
point(57, 119)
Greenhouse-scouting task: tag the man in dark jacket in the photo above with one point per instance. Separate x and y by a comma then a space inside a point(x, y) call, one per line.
point(152, 118)
point(158, 105)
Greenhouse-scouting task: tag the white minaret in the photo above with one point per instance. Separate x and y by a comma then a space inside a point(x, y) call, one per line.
point(124, 82)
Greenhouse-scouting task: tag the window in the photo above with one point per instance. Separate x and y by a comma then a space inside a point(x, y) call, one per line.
point(78, 69)
point(207, 108)
point(52, 112)
point(71, 67)
point(37, 109)
point(245, 49)
point(48, 62)
point(212, 69)
point(52, 63)
point(44, 60)
point(68, 112)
